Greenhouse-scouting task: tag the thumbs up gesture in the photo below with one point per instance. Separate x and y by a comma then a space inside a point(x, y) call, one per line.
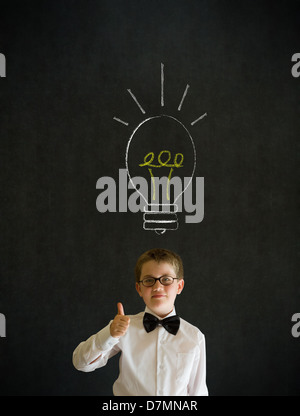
point(120, 324)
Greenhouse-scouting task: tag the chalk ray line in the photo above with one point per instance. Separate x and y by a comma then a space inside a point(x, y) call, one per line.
point(183, 97)
point(162, 89)
point(121, 121)
point(198, 119)
point(136, 101)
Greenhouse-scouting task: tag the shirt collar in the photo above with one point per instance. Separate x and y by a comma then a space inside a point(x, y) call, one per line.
point(172, 313)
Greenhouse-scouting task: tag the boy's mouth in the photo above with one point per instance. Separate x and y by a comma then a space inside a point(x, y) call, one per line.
point(158, 296)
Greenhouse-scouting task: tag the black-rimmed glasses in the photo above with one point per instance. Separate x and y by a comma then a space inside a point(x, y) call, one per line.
point(164, 280)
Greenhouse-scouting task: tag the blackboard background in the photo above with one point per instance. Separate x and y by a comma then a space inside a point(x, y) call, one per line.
point(64, 266)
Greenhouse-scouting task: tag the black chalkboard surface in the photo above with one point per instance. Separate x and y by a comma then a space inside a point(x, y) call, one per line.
point(85, 81)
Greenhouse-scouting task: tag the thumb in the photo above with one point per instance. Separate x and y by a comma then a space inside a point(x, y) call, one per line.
point(120, 309)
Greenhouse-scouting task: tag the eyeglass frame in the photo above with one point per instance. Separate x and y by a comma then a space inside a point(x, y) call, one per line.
point(158, 279)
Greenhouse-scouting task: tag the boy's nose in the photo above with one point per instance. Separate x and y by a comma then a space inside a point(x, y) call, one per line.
point(157, 285)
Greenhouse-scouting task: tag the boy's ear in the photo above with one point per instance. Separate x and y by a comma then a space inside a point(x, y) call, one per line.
point(180, 286)
point(138, 289)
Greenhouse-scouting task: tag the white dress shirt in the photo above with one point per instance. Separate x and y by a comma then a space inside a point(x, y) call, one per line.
point(151, 364)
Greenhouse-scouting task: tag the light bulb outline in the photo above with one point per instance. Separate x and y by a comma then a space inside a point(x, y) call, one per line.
point(194, 152)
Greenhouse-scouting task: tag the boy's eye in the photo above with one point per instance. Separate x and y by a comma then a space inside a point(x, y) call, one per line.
point(166, 280)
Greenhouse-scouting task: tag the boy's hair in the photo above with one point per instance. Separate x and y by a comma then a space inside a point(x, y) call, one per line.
point(158, 255)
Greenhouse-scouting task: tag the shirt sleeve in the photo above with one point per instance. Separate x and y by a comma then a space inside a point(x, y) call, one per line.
point(197, 385)
point(99, 347)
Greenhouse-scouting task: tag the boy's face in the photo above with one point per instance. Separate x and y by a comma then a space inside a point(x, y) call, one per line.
point(159, 298)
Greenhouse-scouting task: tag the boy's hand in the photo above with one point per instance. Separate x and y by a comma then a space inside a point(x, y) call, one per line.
point(120, 324)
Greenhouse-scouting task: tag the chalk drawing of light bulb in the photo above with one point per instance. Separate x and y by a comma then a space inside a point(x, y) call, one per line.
point(162, 150)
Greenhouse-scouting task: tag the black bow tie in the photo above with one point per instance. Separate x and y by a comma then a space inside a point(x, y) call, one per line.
point(171, 324)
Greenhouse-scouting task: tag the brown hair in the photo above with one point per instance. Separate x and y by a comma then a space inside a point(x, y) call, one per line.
point(158, 255)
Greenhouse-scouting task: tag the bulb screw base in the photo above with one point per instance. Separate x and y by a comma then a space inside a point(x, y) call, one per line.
point(160, 218)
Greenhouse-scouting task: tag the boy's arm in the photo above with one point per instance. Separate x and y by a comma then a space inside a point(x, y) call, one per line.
point(95, 352)
point(197, 384)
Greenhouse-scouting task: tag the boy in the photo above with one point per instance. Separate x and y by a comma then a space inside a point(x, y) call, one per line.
point(162, 355)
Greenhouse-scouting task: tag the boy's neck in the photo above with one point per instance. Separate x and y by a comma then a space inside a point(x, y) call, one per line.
point(172, 312)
